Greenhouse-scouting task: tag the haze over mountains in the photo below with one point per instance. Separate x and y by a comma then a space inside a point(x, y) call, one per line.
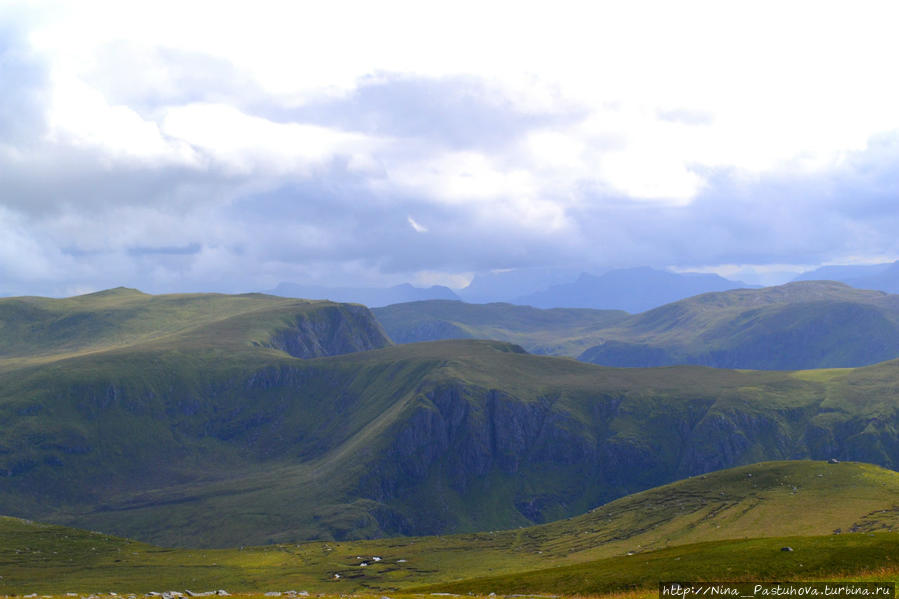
point(367, 296)
point(631, 289)
point(883, 277)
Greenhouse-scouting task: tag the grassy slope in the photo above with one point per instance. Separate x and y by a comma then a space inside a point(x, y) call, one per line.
point(36, 330)
point(204, 438)
point(560, 331)
point(817, 558)
point(43, 558)
point(811, 324)
point(168, 445)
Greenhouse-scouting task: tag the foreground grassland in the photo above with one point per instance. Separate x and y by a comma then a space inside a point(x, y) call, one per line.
point(744, 516)
point(102, 564)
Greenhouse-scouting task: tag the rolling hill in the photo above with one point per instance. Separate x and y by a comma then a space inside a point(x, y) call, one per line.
point(817, 324)
point(35, 329)
point(799, 325)
point(602, 550)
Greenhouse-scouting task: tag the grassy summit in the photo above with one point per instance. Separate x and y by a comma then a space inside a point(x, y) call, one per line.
point(36, 330)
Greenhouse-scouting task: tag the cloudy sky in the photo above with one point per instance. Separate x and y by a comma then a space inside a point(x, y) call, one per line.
point(185, 146)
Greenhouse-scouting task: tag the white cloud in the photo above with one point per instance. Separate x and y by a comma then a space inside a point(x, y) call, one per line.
point(416, 226)
point(250, 144)
point(622, 119)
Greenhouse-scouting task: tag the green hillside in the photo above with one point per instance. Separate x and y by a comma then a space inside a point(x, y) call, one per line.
point(637, 540)
point(819, 558)
point(35, 330)
point(560, 331)
point(212, 436)
point(812, 324)
point(191, 448)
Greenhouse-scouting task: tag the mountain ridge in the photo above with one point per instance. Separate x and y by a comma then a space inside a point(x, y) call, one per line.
point(633, 290)
point(810, 324)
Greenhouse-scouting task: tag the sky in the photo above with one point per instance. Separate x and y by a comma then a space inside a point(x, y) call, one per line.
point(230, 146)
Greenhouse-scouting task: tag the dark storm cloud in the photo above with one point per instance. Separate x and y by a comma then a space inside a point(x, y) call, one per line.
point(785, 218)
point(339, 218)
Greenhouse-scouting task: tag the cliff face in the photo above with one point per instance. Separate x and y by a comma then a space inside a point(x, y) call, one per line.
point(329, 331)
point(546, 460)
point(433, 438)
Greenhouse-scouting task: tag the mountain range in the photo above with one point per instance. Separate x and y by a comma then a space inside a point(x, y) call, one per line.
point(810, 324)
point(633, 290)
point(212, 420)
point(629, 289)
point(882, 277)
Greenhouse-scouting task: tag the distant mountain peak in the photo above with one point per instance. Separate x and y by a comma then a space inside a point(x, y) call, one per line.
point(634, 289)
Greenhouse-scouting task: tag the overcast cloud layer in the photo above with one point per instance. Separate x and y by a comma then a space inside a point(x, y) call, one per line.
point(178, 146)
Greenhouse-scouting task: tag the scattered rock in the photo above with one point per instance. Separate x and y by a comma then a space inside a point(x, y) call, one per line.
point(786, 549)
point(375, 558)
point(833, 461)
point(273, 594)
point(222, 593)
point(401, 561)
